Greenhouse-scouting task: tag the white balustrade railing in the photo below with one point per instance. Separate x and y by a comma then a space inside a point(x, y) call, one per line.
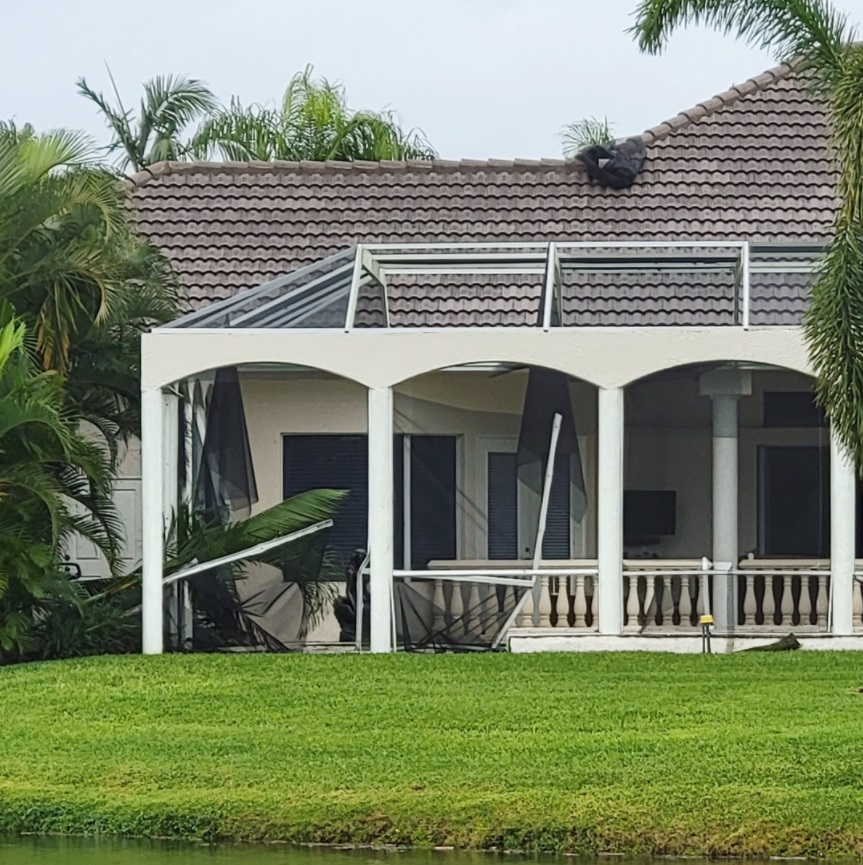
point(668, 596)
point(787, 597)
point(474, 594)
point(658, 596)
point(561, 601)
point(663, 595)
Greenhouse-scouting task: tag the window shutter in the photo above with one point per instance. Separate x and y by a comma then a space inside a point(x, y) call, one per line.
point(399, 503)
point(433, 499)
point(557, 543)
point(332, 462)
point(502, 506)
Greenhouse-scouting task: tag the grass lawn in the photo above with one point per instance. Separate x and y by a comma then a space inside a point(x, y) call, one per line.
point(756, 754)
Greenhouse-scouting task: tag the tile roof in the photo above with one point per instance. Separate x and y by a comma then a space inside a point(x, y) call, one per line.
point(751, 163)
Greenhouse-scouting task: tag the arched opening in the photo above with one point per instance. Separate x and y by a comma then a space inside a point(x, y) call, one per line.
point(726, 464)
point(248, 438)
point(471, 458)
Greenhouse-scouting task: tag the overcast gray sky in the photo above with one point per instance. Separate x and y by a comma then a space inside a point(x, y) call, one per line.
point(482, 78)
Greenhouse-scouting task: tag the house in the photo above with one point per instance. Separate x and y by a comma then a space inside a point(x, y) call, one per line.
point(385, 320)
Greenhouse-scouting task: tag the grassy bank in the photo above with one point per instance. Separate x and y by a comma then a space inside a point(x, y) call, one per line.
point(756, 754)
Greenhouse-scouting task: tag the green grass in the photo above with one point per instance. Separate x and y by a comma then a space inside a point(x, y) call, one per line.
point(753, 754)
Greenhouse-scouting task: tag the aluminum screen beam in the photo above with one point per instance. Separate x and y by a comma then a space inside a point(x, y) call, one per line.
point(308, 290)
point(239, 302)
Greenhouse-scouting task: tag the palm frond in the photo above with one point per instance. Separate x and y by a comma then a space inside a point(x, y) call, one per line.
point(584, 133)
point(811, 30)
point(169, 105)
point(313, 122)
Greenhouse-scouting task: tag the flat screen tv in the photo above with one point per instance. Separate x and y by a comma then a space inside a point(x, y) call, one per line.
point(649, 513)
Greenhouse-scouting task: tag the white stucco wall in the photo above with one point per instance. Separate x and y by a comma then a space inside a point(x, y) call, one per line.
point(483, 412)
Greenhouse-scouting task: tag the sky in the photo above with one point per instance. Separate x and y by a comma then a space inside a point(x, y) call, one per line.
point(481, 78)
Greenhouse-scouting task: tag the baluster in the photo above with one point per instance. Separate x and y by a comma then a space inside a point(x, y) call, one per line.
point(630, 587)
point(564, 602)
point(685, 603)
point(579, 606)
point(809, 589)
point(455, 607)
point(526, 618)
point(649, 589)
point(799, 587)
point(464, 589)
point(560, 602)
point(591, 596)
point(771, 607)
point(470, 594)
point(857, 604)
point(439, 604)
point(488, 606)
point(697, 583)
point(544, 602)
point(823, 600)
point(567, 589)
point(675, 586)
point(750, 603)
point(786, 605)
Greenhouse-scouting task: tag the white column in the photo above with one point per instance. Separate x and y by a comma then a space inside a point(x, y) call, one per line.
point(153, 495)
point(381, 516)
point(170, 491)
point(843, 495)
point(610, 510)
point(725, 386)
point(725, 472)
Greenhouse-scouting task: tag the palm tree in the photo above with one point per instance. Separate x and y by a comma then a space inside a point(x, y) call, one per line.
point(75, 271)
point(196, 537)
point(54, 483)
point(313, 122)
point(170, 105)
point(581, 134)
point(820, 43)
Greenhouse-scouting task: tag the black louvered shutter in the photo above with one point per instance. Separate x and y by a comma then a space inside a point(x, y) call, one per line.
point(399, 504)
point(332, 462)
point(503, 509)
point(433, 499)
point(557, 541)
point(502, 506)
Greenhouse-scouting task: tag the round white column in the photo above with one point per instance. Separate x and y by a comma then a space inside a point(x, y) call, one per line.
point(725, 481)
point(381, 518)
point(610, 510)
point(843, 506)
point(153, 494)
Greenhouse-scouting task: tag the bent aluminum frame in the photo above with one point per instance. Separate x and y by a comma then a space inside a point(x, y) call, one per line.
point(325, 295)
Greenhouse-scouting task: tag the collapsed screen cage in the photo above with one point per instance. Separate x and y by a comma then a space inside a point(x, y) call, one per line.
point(543, 285)
point(460, 608)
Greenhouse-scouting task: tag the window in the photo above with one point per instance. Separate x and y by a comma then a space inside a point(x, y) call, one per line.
point(425, 529)
point(510, 529)
point(794, 501)
point(332, 462)
point(792, 409)
point(502, 506)
point(341, 462)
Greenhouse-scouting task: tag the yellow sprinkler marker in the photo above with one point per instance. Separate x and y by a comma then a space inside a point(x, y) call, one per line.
point(706, 622)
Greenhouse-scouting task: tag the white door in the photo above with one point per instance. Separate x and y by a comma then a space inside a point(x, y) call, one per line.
point(127, 497)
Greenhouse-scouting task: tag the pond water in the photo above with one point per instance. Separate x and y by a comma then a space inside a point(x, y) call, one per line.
point(40, 850)
point(56, 850)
